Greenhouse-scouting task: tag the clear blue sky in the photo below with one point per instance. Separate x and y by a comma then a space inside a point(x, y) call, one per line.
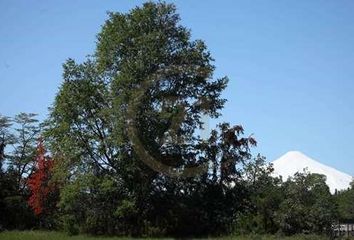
point(291, 64)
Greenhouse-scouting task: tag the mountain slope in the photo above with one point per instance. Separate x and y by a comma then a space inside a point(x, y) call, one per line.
point(294, 161)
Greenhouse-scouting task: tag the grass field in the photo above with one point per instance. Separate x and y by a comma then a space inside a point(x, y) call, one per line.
point(42, 235)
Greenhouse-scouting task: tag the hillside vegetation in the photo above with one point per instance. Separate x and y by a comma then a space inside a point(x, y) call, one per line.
point(41, 235)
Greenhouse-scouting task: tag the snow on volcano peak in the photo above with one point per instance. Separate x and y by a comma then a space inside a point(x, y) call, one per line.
point(295, 161)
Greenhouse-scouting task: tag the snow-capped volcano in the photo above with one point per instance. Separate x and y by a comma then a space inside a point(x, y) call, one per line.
point(294, 161)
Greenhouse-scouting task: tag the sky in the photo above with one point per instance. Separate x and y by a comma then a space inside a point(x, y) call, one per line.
point(290, 64)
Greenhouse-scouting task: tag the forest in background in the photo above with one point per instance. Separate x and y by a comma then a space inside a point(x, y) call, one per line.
point(114, 155)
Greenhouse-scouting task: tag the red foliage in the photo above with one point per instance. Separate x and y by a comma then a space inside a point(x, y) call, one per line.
point(38, 182)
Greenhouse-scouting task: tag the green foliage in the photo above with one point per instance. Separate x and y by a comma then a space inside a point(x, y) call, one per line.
point(265, 197)
point(145, 90)
point(344, 200)
point(17, 149)
point(69, 225)
point(40, 235)
point(88, 205)
point(145, 55)
point(22, 158)
point(125, 209)
point(308, 205)
point(6, 138)
point(147, 70)
point(17, 213)
point(302, 204)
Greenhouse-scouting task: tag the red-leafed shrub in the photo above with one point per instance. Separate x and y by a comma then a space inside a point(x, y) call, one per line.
point(42, 190)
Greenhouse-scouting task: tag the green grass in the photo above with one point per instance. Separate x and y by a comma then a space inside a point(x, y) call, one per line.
point(43, 235)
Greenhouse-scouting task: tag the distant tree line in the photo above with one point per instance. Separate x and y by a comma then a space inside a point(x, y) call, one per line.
point(81, 169)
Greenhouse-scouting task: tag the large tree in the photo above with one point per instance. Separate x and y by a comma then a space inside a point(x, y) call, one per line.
point(22, 157)
point(6, 138)
point(124, 125)
point(17, 150)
